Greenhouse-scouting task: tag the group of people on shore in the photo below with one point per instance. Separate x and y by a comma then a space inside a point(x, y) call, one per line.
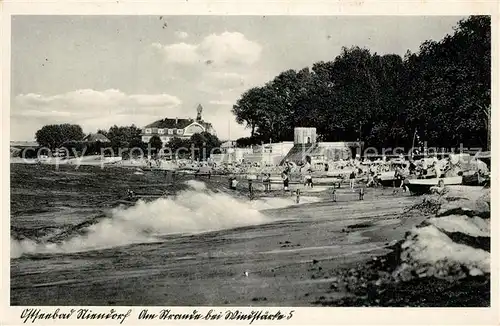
point(305, 171)
point(266, 178)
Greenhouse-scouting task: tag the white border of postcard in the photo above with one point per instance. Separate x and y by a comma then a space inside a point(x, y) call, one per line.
point(301, 316)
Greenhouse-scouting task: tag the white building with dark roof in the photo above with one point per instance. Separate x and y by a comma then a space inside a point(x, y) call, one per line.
point(169, 128)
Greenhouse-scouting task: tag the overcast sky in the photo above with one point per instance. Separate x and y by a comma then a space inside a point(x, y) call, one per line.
point(103, 70)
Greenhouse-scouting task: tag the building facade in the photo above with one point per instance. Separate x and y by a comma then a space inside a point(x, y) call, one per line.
point(307, 148)
point(264, 154)
point(268, 154)
point(169, 128)
point(304, 135)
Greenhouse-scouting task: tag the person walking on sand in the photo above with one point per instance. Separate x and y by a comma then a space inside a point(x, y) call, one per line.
point(352, 178)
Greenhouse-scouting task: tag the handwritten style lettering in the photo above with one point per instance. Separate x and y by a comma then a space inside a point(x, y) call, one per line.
point(212, 316)
point(145, 315)
point(88, 314)
point(36, 314)
point(166, 314)
point(255, 315)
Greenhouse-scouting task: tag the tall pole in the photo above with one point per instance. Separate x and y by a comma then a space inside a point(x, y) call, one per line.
point(413, 142)
point(487, 121)
point(488, 132)
point(270, 149)
point(487, 112)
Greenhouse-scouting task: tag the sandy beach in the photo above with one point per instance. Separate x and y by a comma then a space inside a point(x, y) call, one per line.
point(269, 252)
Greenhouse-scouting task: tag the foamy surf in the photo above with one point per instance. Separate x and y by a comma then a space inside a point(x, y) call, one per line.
point(194, 210)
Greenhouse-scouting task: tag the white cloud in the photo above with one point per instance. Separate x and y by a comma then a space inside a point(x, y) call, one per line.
point(215, 49)
point(91, 109)
point(88, 101)
point(181, 53)
point(230, 47)
point(182, 35)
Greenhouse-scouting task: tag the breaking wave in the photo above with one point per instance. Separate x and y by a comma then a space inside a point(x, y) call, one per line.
point(194, 210)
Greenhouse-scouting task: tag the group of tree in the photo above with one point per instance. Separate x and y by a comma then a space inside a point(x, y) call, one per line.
point(198, 147)
point(122, 139)
point(441, 93)
point(56, 135)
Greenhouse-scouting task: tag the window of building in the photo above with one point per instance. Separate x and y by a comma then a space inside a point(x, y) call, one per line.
point(148, 130)
point(180, 131)
point(170, 131)
point(161, 131)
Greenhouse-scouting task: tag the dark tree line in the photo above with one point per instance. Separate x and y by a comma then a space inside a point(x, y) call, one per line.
point(442, 92)
point(203, 144)
point(122, 139)
point(130, 137)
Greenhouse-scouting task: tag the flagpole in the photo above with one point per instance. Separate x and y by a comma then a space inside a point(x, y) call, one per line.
point(413, 143)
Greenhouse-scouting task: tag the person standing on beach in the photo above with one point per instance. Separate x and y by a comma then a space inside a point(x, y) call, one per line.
point(266, 180)
point(334, 194)
point(352, 178)
point(402, 176)
point(371, 179)
point(233, 182)
point(308, 179)
point(361, 193)
point(130, 194)
point(284, 176)
point(250, 188)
